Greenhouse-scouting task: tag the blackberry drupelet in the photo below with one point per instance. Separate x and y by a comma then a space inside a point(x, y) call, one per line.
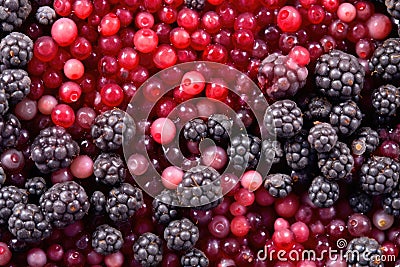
point(360, 202)
point(2, 176)
point(200, 188)
point(4, 106)
point(318, 109)
point(123, 202)
point(299, 153)
point(181, 235)
point(53, 149)
point(339, 76)
point(323, 193)
point(345, 118)
point(107, 240)
point(386, 100)
point(195, 130)
point(280, 77)
point(278, 185)
point(109, 129)
point(322, 137)
point(391, 203)
point(195, 4)
point(9, 197)
point(109, 169)
point(16, 50)
point(164, 207)
point(28, 224)
point(379, 175)
point(148, 250)
point(64, 203)
point(364, 251)
point(10, 128)
point(36, 186)
point(194, 258)
point(13, 13)
point(272, 151)
point(98, 201)
point(45, 15)
point(367, 137)
point(244, 151)
point(337, 163)
point(283, 119)
point(16, 83)
point(219, 127)
point(384, 62)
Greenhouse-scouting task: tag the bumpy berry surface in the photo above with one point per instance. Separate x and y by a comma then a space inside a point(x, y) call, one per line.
point(181, 235)
point(194, 257)
point(13, 14)
point(364, 246)
point(148, 250)
point(360, 202)
point(322, 137)
point(244, 151)
point(109, 169)
point(337, 163)
point(345, 117)
point(16, 50)
point(383, 62)
point(107, 240)
point(9, 197)
point(278, 185)
point(323, 193)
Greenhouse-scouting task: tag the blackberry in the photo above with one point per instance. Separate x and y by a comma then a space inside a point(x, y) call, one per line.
point(45, 15)
point(379, 175)
point(272, 151)
point(16, 50)
point(148, 250)
point(2, 176)
point(318, 109)
point(109, 129)
point(339, 76)
point(278, 185)
point(322, 137)
point(181, 235)
point(360, 202)
point(366, 141)
point(53, 149)
point(10, 128)
point(195, 130)
point(64, 203)
point(364, 251)
point(219, 127)
point(386, 100)
point(195, 4)
point(109, 169)
point(123, 202)
point(10, 196)
point(98, 201)
point(345, 118)
point(36, 186)
point(384, 62)
point(279, 77)
point(28, 224)
point(244, 151)
point(16, 84)
point(194, 258)
point(4, 106)
point(13, 13)
point(337, 163)
point(283, 119)
point(391, 203)
point(200, 188)
point(164, 207)
point(323, 193)
point(299, 153)
point(393, 8)
point(107, 240)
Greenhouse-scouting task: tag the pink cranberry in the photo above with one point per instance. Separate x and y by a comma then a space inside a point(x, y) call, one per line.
point(64, 31)
point(5, 254)
point(112, 95)
point(281, 224)
point(82, 167)
point(251, 180)
point(63, 115)
point(179, 38)
point(46, 104)
point(289, 19)
point(36, 257)
point(188, 19)
point(171, 177)
point(73, 69)
point(137, 164)
point(346, 12)
point(300, 55)
point(109, 24)
point(164, 56)
point(163, 131)
point(240, 226)
point(193, 82)
point(82, 8)
point(144, 20)
point(145, 40)
point(69, 92)
point(45, 49)
point(128, 58)
point(379, 26)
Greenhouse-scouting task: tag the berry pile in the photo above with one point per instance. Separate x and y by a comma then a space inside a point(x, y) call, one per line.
point(216, 173)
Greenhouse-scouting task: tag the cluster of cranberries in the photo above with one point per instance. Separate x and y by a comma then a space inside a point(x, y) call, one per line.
point(98, 53)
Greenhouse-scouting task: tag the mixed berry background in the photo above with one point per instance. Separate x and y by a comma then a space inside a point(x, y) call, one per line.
point(327, 143)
